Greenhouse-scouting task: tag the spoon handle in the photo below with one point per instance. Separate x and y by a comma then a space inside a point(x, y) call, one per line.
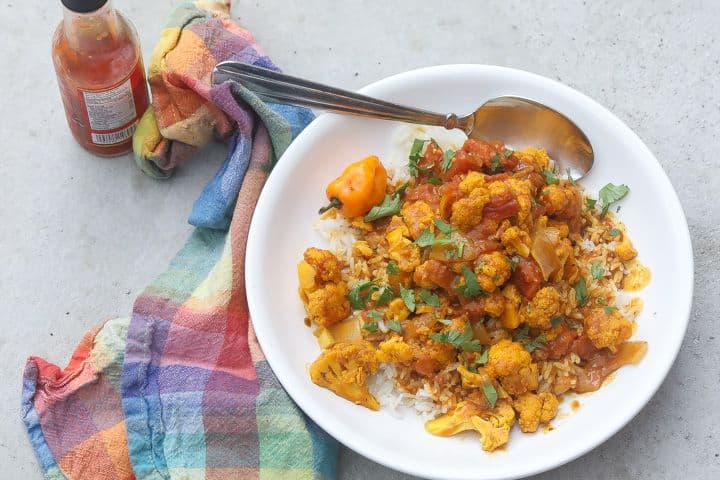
point(273, 86)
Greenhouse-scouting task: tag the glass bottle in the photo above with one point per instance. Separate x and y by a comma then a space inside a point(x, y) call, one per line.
point(100, 73)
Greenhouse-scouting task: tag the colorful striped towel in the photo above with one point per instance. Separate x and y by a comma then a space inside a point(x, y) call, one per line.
point(182, 390)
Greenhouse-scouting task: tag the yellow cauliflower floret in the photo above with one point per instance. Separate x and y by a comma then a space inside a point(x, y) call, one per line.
point(493, 269)
point(467, 212)
point(499, 189)
point(418, 216)
point(494, 426)
point(402, 250)
point(397, 310)
point(516, 241)
point(344, 368)
point(526, 379)
point(511, 316)
point(507, 358)
point(325, 263)
point(472, 181)
point(544, 306)
point(625, 249)
point(328, 305)
point(473, 379)
point(535, 409)
point(361, 248)
point(524, 192)
point(563, 201)
point(534, 156)
point(394, 350)
point(607, 328)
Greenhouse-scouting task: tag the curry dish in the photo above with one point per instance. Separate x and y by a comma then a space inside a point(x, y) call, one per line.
point(487, 281)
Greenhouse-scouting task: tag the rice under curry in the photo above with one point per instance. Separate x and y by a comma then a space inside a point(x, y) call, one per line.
point(486, 285)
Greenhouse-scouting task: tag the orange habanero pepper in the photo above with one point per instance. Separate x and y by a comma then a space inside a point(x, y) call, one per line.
point(360, 187)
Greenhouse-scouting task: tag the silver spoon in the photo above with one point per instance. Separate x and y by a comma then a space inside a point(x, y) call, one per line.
point(517, 122)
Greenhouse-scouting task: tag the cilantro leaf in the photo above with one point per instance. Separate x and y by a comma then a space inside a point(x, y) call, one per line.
point(371, 327)
point(448, 157)
point(415, 156)
point(460, 340)
point(429, 298)
point(597, 270)
point(359, 295)
point(434, 180)
point(495, 164)
point(507, 152)
point(374, 314)
point(550, 177)
point(610, 310)
point(394, 325)
point(514, 260)
point(408, 297)
point(426, 238)
point(386, 295)
point(581, 292)
point(392, 268)
point(570, 178)
point(483, 358)
point(401, 189)
point(538, 342)
point(389, 206)
point(614, 232)
point(445, 228)
point(471, 288)
point(610, 194)
point(590, 202)
point(573, 324)
point(521, 334)
point(555, 321)
point(490, 393)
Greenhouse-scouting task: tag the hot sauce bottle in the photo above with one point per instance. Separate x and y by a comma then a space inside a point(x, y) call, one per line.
point(100, 73)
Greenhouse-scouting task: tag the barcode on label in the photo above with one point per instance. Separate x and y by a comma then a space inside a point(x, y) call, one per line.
point(115, 137)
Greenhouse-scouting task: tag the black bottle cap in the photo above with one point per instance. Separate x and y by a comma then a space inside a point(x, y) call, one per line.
point(84, 6)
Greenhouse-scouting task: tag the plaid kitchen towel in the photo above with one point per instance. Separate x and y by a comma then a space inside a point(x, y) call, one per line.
point(182, 390)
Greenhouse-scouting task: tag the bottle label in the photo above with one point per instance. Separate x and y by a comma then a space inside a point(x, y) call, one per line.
point(111, 114)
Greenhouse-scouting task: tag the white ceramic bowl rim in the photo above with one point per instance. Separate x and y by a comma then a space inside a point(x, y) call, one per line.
point(298, 391)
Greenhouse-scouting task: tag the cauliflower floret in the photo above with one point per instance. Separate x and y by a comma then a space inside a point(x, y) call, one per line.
point(524, 192)
point(418, 216)
point(494, 426)
point(493, 269)
point(544, 306)
point(511, 316)
point(625, 249)
point(473, 379)
point(361, 248)
point(467, 212)
point(516, 240)
point(507, 358)
point(344, 368)
point(326, 265)
point(607, 329)
point(535, 409)
point(472, 181)
point(328, 305)
point(525, 380)
point(562, 201)
point(397, 310)
point(394, 350)
point(534, 156)
point(402, 250)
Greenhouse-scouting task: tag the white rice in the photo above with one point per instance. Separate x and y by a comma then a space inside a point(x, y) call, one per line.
point(397, 402)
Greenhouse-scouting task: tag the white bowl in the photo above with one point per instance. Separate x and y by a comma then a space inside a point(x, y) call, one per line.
point(282, 229)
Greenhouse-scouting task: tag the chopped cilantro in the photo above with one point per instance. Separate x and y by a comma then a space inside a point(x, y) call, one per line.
point(573, 324)
point(386, 295)
point(434, 180)
point(538, 342)
point(581, 292)
point(597, 270)
point(483, 358)
point(389, 206)
point(445, 228)
point(429, 298)
point(610, 310)
point(401, 189)
point(610, 194)
point(550, 177)
point(495, 165)
point(590, 202)
point(601, 301)
point(448, 157)
point(392, 268)
point(507, 152)
point(360, 294)
point(521, 334)
point(408, 297)
point(614, 232)
point(471, 288)
point(426, 238)
point(374, 314)
point(371, 327)
point(555, 321)
point(460, 340)
point(394, 325)
point(514, 260)
point(490, 393)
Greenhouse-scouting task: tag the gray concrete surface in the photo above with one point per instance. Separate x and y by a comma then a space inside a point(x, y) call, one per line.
point(80, 235)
